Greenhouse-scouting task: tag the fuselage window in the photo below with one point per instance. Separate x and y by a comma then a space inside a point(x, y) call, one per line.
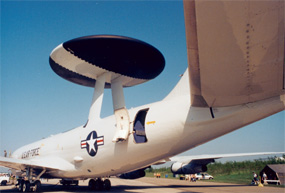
point(139, 127)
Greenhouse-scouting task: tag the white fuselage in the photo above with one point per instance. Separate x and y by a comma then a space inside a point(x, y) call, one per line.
point(171, 126)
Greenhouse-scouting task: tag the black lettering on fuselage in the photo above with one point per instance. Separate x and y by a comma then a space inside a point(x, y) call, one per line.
point(30, 153)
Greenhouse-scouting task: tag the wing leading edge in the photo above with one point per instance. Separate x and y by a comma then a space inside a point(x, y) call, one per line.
point(48, 163)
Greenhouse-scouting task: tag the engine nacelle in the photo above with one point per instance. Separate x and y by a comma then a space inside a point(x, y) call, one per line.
point(181, 168)
point(133, 175)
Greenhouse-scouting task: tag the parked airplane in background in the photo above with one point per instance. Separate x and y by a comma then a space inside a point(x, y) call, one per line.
point(235, 77)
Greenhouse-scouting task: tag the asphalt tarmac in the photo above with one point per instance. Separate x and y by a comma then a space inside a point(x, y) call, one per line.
point(154, 185)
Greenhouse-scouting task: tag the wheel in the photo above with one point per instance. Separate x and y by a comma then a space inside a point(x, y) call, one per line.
point(91, 184)
point(20, 183)
point(99, 184)
point(107, 184)
point(26, 186)
point(3, 183)
point(37, 186)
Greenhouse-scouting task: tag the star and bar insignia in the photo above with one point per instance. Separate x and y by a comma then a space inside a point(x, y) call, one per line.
point(92, 142)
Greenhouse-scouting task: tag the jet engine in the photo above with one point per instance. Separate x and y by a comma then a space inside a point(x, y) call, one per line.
point(191, 168)
point(134, 174)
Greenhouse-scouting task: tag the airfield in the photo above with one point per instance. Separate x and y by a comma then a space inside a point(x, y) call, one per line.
point(153, 185)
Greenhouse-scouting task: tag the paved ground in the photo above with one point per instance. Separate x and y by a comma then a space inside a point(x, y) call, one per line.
point(155, 185)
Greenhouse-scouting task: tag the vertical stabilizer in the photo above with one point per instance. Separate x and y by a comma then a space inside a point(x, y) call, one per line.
point(181, 88)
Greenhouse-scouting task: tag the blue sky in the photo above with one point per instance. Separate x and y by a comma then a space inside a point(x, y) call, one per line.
point(36, 103)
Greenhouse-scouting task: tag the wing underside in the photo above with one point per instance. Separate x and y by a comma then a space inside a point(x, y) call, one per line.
point(235, 51)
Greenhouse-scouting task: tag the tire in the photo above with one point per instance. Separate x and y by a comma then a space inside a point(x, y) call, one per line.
point(21, 183)
point(26, 186)
point(99, 184)
point(107, 184)
point(37, 186)
point(4, 183)
point(91, 184)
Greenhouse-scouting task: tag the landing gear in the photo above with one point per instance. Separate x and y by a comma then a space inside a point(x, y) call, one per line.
point(91, 184)
point(20, 183)
point(107, 184)
point(99, 184)
point(27, 186)
point(37, 186)
point(30, 182)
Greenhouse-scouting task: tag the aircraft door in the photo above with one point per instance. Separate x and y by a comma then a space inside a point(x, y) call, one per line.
point(139, 127)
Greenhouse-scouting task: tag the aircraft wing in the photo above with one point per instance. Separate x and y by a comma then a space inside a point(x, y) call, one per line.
point(235, 51)
point(210, 158)
point(48, 163)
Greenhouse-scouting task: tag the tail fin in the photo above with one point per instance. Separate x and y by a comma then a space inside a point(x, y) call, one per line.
point(181, 88)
